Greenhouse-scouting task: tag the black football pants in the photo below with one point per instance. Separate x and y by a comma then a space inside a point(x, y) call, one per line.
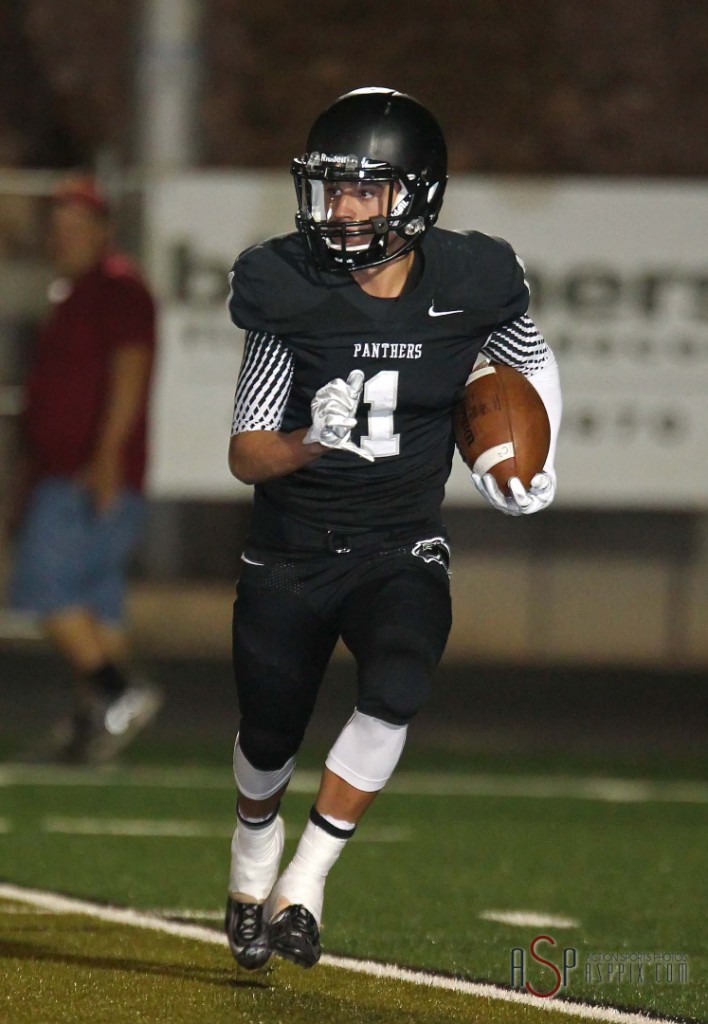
point(391, 608)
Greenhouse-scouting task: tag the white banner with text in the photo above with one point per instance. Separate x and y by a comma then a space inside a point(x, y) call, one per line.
point(619, 287)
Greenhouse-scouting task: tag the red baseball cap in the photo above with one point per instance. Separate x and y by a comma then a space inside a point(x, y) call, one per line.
point(78, 188)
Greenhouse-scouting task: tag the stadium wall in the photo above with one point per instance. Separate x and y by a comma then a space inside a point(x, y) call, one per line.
point(617, 572)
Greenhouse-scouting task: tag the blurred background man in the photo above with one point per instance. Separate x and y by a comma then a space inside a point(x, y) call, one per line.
point(78, 502)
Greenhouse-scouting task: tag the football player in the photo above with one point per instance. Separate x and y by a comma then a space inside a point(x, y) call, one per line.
point(361, 330)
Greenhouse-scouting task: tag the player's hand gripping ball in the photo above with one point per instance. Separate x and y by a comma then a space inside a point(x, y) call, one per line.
point(503, 434)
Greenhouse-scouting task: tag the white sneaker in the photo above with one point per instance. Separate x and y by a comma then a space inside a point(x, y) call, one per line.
point(119, 721)
point(97, 732)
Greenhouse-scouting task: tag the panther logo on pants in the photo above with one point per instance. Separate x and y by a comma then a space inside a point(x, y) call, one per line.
point(433, 549)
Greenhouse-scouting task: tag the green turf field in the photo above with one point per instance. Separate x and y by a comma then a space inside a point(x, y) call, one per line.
point(607, 866)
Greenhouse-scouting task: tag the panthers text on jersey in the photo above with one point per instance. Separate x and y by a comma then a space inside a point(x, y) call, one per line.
point(305, 328)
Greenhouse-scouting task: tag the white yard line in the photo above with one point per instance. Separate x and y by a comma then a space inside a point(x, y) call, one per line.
point(186, 829)
point(137, 827)
point(113, 776)
point(548, 787)
point(132, 918)
point(188, 914)
point(529, 919)
point(412, 783)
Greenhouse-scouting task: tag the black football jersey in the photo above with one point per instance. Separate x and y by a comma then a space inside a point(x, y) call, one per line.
point(305, 328)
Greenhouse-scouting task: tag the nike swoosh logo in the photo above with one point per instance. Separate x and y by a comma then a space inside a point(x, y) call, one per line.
point(249, 561)
point(442, 312)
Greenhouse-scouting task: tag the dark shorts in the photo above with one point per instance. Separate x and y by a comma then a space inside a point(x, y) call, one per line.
point(391, 607)
point(68, 556)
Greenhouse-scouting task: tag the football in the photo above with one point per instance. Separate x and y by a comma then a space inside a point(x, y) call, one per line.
point(501, 425)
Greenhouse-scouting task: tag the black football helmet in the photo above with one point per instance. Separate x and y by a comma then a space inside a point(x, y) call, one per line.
point(376, 135)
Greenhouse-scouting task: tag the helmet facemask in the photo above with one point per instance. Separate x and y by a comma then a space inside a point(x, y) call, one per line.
point(343, 246)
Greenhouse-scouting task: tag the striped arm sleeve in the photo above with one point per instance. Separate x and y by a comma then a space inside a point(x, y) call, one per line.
point(263, 384)
point(519, 344)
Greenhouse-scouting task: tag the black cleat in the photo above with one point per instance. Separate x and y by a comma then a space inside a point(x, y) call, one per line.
point(247, 933)
point(295, 936)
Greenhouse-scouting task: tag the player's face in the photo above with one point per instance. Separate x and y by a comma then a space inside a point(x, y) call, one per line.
point(358, 201)
point(78, 237)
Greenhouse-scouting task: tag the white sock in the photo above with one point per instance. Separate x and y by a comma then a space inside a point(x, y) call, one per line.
point(255, 858)
point(304, 878)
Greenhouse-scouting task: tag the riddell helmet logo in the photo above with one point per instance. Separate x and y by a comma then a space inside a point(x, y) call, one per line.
point(347, 161)
point(337, 158)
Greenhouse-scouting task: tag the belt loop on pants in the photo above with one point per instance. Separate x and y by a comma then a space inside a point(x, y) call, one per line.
point(338, 543)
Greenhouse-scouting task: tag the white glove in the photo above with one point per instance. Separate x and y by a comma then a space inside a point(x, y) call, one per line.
point(521, 502)
point(334, 414)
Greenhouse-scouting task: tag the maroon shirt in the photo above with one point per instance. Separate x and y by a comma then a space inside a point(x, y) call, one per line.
point(107, 307)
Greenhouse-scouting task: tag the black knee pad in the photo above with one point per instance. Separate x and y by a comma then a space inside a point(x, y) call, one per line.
point(397, 629)
point(395, 685)
point(267, 750)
